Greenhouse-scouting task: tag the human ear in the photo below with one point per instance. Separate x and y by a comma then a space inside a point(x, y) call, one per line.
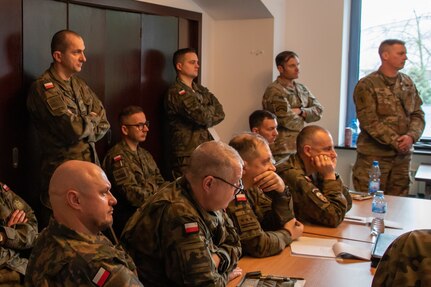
point(72, 199)
point(57, 56)
point(307, 150)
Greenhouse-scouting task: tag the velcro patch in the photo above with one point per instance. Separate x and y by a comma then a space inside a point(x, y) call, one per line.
point(56, 103)
point(48, 86)
point(240, 197)
point(101, 276)
point(182, 92)
point(120, 175)
point(191, 227)
point(5, 187)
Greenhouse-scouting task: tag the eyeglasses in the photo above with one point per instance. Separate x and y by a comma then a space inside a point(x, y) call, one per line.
point(140, 126)
point(238, 189)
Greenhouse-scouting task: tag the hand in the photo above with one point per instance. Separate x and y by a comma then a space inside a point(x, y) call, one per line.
point(216, 259)
point(294, 227)
point(325, 165)
point(269, 181)
point(405, 143)
point(235, 273)
point(18, 216)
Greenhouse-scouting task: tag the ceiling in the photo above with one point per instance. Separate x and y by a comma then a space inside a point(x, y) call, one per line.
point(234, 9)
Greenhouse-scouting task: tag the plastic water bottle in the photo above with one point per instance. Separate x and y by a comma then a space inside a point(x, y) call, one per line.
point(355, 131)
point(379, 208)
point(374, 182)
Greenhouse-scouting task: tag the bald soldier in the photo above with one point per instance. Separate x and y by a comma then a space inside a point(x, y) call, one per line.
point(319, 194)
point(182, 236)
point(72, 251)
point(263, 212)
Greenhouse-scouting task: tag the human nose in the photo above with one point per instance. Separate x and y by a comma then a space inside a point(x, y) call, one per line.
point(83, 58)
point(112, 200)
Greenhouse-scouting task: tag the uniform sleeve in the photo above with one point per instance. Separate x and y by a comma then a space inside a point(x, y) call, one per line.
point(21, 235)
point(313, 110)
point(326, 206)
point(255, 241)
point(366, 109)
point(417, 117)
point(201, 108)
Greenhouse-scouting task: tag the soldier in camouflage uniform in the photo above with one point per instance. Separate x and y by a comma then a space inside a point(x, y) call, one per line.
point(18, 232)
point(191, 110)
point(182, 236)
point(319, 195)
point(72, 251)
point(130, 168)
point(68, 116)
point(407, 262)
point(263, 213)
point(291, 102)
point(264, 123)
point(391, 121)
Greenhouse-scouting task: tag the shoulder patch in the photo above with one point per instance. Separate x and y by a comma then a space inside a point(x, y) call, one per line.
point(307, 178)
point(118, 158)
point(48, 85)
point(120, 175)
point(320, 195)
point(101, 276)
point(191, 227)
point(182, 92)
point(240, 197)
point(5, 187)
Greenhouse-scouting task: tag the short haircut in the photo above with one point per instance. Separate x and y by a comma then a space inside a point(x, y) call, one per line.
point(179, 55)
point(128, 111)
point(307, 136)
point(213, 158)
point(284, 57)
point(59, 40)
point(389, 42)
point(246, 144)
point(257, 117)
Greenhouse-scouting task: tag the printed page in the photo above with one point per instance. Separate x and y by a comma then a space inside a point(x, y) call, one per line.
point(313, 246)
point(345, 250)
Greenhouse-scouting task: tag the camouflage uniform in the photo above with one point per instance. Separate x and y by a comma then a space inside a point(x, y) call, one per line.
point(21, 236)
point(190, 113)
point(64, 257)
point(387, 108)
point(171, 238)
point(259, 218)
point(61, 111)
point(280, 100)
point(407, 262)
point(315, 200)
point(134, 176)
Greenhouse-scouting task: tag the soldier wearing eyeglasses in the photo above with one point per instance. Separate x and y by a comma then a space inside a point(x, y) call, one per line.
point(263, 212)
point(131, 169)
point(182, 236)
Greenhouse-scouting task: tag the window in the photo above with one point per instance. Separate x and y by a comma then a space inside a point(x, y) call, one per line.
point(374, 21)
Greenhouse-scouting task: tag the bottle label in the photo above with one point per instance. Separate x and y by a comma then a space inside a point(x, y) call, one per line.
point(373, 186)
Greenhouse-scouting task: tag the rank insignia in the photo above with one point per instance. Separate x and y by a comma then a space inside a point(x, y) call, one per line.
point(101, 277)
point(191, 227)
point(182, 92)
point(48, 86)
point(241, 197)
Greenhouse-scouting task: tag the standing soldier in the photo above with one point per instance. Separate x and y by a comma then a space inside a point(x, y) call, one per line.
point(18, 231)
point(391, 121)
point(68, 116)
point(191, 110)
point(291, 102)
point(130, 168)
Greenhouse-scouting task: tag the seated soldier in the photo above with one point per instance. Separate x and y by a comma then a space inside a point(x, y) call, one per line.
point(72, 251)
point(181, 236)
point(406, 262)
point(18, 232)
point(263, 214)
point(264, 122)
point(319, 195)
point(130, 168)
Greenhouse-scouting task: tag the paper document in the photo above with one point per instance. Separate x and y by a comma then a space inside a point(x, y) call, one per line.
point(331, 248)
point(367, 221)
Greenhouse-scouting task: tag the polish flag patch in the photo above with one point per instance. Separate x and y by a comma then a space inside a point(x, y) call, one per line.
point(5, 187)
point(48, 86)
point(241, 197)
point(118, 157)
point(101, 277)
point(182, 92)
point(192, 227)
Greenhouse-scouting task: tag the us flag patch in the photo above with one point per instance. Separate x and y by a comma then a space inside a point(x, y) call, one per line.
point(101, 277)
point(192, 227)
point(48, 86)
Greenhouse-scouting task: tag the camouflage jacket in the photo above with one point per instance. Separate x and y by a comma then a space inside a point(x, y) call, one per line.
point(407, 262)
point(69, 119)
point(190, 113)
point(20, 236)
point(280, 100)
point(64, 257)
point(172, 239)
point(315, 200)
point(134, 176)
point(259, 218)
point(387, 108)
